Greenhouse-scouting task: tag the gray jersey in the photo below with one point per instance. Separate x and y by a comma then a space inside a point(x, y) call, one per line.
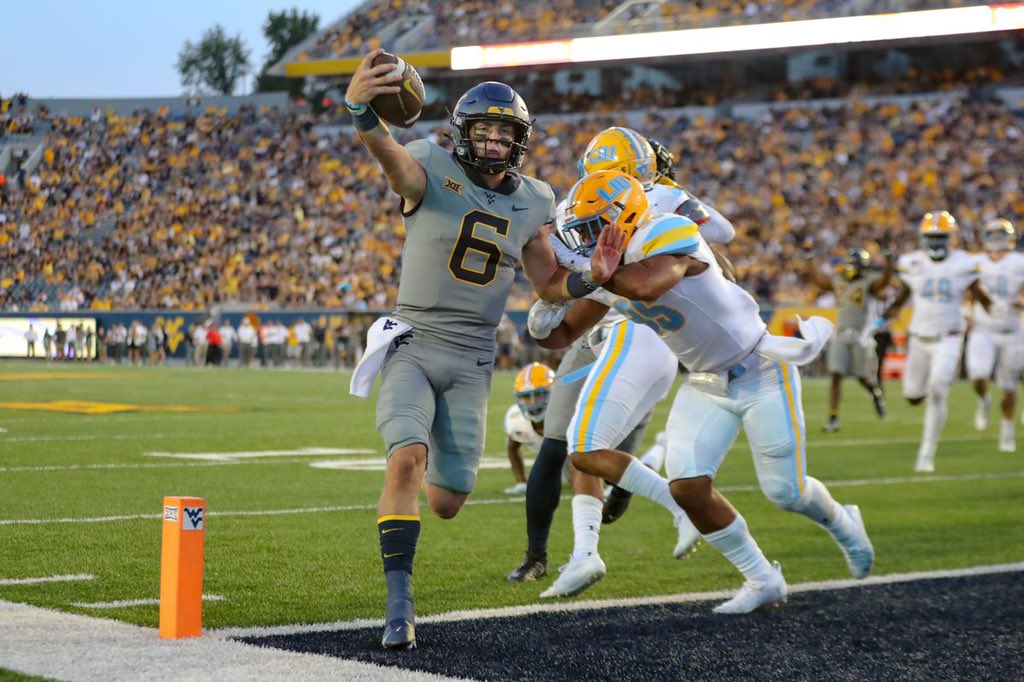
point(852, 301)
point(461, 247)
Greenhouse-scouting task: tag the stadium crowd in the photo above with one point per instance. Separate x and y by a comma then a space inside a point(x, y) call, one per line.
point(148, 211)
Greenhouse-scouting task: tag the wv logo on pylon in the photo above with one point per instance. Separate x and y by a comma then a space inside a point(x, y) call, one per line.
point(193, 518)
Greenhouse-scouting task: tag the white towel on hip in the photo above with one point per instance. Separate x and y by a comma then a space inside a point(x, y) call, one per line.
point(816, 332)
point(378, 338)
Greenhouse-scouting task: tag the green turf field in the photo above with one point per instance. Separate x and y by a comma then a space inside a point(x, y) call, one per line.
point(79, 495)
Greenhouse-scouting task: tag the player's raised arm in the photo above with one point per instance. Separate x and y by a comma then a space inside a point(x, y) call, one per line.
point(901, 297)
point(405, 175)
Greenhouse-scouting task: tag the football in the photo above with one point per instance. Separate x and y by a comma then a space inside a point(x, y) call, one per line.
point(401, 109)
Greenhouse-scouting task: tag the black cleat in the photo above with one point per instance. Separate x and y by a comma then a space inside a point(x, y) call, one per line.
point(878, 398)
point(534, 566)
point(399, 634)
point(615, 505)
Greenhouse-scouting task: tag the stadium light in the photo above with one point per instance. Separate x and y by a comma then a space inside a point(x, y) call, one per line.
point(727, 39)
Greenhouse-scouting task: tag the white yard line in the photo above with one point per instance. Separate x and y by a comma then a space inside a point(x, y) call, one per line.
point(5, 582)
point(126, 603)
point(64, 646)
point(518, 499)
point(251, 454)
point(583, 605)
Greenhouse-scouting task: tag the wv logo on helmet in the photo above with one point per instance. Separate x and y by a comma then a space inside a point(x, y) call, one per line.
point(614, 188)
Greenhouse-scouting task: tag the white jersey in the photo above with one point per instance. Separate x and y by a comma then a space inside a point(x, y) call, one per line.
point(661, 199)
point(709, 323)
point(1003, 281)
point(520, 429)
point(938, 289)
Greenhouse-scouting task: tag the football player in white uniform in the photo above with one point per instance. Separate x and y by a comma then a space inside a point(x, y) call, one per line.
point(634, 369)
point(524, 421)
point(937, 275)
point(670, 282)
point(995, 341)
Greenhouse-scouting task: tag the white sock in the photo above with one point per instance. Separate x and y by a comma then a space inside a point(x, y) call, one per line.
point(654, 458)
point(642, 481)
point(586, 525)
point(1006, 429)
point(819, 506)
point(935, 412)
point(738, 546)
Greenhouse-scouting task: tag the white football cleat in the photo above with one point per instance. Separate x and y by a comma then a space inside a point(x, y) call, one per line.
point(755, 595)
point(517, 489)
point(688, 537)
point(925, 465)
point(981, 415)
point(576, 576)
point(1007, 438)
point(859, 553)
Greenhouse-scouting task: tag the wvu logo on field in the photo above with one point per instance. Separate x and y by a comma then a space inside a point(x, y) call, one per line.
point(92, 407)
point(453, 186)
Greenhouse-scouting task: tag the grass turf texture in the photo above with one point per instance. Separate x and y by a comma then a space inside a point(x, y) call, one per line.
point(323, 566)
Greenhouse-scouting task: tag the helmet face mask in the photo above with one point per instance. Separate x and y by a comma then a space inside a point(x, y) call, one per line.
point(598, 201)
point(999, 235)
point(856, 262)
point(533, 390)
point(623, 150)
point(666, 162)
point(487, 102)
point(937, 231)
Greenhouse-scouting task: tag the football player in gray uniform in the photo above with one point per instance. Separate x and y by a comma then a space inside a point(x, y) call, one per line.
point(469, 218)
point(854, 288)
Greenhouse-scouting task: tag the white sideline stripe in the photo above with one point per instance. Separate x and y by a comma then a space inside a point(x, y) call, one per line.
point(125, 603)
point(98, 436)
point(515, 499)
point(595, 604)
point(5, 582)
point(227, 456)
point(66, 646)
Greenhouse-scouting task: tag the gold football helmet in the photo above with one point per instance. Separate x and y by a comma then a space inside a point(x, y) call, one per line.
point(621, 149)
point(533, 390)
point(599, 200)
point(999, 235)
point(937, 231)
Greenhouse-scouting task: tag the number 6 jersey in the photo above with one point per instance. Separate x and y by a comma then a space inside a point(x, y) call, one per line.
point(938, 290)
point(461, 247)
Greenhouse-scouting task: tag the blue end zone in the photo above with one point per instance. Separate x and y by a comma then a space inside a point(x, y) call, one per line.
point(939, 629)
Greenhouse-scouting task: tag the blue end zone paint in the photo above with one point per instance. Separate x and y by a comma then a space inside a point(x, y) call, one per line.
point(945, 629)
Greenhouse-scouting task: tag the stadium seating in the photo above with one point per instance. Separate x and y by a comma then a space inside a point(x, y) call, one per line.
point(149, 211)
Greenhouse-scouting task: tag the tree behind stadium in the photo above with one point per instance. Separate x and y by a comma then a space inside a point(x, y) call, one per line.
point(283, 31)
point(215, 63)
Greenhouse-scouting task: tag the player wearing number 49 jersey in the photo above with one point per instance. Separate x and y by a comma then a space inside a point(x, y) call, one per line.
point(469, 218)
point(938, 276)
point(739, 376)
point(995, 342)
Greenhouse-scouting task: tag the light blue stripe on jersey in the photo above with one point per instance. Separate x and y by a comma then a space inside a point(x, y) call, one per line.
point(581, 373)
point(673, 234)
